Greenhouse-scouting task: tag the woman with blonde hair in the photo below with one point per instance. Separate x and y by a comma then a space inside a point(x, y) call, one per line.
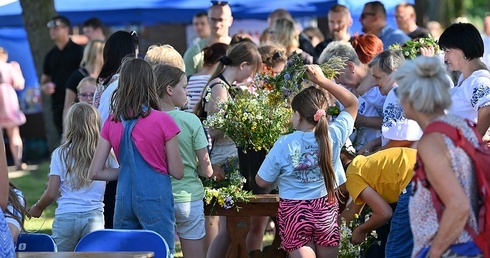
point(90, 65)
point(285, 32)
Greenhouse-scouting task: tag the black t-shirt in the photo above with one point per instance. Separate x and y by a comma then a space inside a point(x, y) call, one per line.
point(59, 65)
point(75, 78)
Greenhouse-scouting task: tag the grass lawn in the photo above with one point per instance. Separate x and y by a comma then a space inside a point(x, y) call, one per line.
point(33, 181)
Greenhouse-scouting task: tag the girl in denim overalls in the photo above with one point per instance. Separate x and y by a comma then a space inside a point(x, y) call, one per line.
point(143, 139)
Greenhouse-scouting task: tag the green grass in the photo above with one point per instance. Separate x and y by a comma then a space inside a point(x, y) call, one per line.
point(33, 183)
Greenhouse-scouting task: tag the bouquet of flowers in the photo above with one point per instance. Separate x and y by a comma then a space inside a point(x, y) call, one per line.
point(411, 48)
point(251, 120)
point(227, 192)
point(346, 248)
point(290, 80)
point(256, 119)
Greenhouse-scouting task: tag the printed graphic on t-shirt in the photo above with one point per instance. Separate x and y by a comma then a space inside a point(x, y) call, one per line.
point(478, 93)
point(305, 162)
point(393, 114)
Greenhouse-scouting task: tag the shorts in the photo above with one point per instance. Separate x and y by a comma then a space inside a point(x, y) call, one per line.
point(304, 221)
point(189, 220)
point(222, 151)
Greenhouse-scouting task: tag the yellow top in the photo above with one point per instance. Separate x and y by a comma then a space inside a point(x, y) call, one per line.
point(388, 172)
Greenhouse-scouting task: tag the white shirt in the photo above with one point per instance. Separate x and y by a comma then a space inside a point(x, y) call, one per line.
point(395, 125)
point(80, 200)
point(105, 101)
point(471, 94)
point(370, 105)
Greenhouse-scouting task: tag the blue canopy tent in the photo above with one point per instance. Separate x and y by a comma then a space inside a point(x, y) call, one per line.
point(147, 12)
point(140, 12)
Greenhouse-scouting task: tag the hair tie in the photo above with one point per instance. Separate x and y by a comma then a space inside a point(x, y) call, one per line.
point(225, 60)
point(277, 54)
point(319, 113)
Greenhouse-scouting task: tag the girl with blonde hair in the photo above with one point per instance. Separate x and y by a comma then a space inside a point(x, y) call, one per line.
point(80, 208)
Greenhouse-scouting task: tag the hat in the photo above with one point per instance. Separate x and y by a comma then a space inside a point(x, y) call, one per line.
point(59, 21)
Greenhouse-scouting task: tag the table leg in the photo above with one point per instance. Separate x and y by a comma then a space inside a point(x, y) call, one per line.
point(238, 229)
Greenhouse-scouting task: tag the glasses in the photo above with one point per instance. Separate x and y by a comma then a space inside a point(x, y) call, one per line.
point(222, 3)
point(86, 95)
point(55, 23)
point(363, 15)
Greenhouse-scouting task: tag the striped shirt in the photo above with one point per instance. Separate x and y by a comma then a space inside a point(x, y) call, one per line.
point(195, 85)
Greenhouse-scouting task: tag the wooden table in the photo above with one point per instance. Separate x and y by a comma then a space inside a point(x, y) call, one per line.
point(238, 224)
point(86, 254)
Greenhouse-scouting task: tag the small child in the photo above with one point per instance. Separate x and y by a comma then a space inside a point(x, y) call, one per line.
point(189, 192)
point(86, 89)
point(147, 149)
point(16, 211)
point(306, 165)
point(80, 208)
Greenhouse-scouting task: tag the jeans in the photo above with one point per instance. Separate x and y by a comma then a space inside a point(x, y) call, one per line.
point(400, 239)
point(69, 228)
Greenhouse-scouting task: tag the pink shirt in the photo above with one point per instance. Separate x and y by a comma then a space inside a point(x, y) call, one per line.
point(149, 135)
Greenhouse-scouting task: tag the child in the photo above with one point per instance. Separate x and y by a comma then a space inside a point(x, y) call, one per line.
point(382, 180)
point(81, 198)
point(189, 192)
point(86, 89)
point(306, 165)
point(143, 139)
point(273, 58)
point(16, 211)
point(7, 246)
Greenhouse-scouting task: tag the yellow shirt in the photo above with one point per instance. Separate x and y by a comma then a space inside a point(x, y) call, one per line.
point(388, 172)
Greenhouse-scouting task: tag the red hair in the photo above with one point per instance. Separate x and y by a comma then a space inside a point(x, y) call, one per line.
point(367, 46)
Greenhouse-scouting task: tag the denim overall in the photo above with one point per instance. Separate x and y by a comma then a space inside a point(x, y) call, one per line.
point(144, 196)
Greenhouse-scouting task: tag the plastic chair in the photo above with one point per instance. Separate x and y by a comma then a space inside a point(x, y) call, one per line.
point(35, 242)
point(110, 240)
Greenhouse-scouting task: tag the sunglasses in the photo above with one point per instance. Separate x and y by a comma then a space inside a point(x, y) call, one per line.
point(222, 3)
point(56, 23)
point(363, 15)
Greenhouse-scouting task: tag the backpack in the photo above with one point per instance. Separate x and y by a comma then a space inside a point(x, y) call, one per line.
point(481, 162)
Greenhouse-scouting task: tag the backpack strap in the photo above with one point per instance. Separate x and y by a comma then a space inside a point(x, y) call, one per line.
point(459, 140)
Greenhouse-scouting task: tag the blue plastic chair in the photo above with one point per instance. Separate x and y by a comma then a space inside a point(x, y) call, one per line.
point(124, 240)
point(35, 242)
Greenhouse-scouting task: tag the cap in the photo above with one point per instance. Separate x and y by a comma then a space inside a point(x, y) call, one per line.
point(59, 21)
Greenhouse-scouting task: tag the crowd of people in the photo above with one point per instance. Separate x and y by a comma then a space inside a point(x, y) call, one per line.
point(133, 149)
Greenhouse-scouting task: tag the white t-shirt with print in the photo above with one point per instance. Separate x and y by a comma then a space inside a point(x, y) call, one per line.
point(80, 200)
point(471, 94)
point(370, 105)
point(395, 125)
point(293, 161)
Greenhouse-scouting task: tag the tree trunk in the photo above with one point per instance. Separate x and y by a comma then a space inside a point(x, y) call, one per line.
point(36, 14)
